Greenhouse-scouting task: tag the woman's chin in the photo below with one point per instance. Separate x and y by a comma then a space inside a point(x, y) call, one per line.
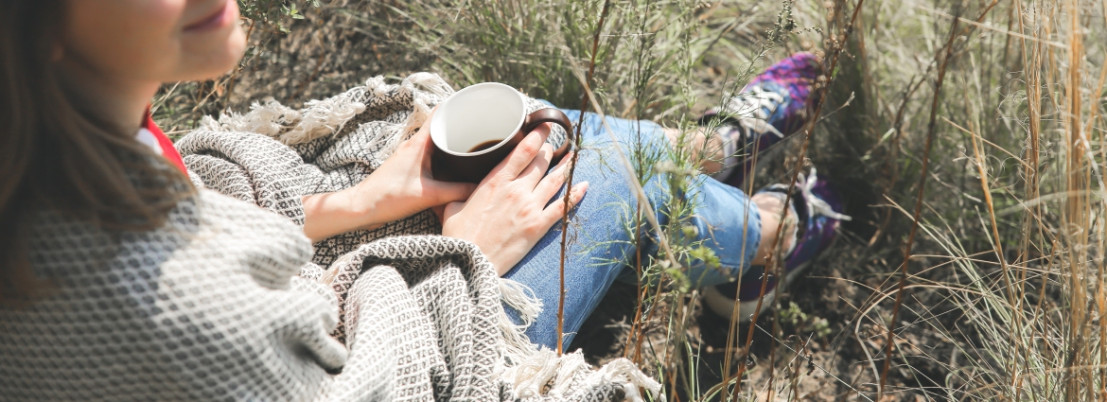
point(216, 62)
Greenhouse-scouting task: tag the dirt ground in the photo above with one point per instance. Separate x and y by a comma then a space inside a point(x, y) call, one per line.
point(827, 354)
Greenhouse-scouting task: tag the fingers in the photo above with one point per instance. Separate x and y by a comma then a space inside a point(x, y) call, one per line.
point(422, 137)
point(552, 182)
point(451, 209)
point(423, 133)
point(524, 153)
point(427, 122)
point(538, 167)
point(445, 192)
point(440, 213)
point(557, 209)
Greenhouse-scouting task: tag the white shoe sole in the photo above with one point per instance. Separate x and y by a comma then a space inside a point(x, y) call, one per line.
point(722, 305)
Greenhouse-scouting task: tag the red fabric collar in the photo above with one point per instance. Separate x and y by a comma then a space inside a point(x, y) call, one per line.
point(166, 144)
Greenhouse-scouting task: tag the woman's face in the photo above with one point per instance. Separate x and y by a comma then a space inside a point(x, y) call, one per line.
point(152, 40)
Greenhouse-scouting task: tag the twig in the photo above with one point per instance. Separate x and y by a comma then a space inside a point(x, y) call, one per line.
point(637, 325)
point(945, 53)
point(775, 263)
point(569, 182)
point(889, 162)
point(989, 27)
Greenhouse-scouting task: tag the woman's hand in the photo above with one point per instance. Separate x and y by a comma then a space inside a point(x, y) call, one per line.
point(507, 213)
point(401, 187)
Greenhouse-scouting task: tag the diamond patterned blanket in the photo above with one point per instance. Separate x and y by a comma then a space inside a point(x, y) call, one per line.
point(229, 301)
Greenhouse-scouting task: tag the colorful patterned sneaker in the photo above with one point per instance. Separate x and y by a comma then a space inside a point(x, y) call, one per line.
point(817, 206)
point(771, 107)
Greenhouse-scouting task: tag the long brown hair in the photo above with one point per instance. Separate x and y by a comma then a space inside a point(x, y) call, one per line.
point(57, 154)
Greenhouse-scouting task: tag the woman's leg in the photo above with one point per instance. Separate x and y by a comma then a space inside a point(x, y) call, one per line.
point(600, 245)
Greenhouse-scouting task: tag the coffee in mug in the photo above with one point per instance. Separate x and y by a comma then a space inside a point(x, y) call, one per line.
point(478, 126)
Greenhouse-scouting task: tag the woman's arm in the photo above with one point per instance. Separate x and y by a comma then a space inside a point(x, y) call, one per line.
point(401, 187)
point(505, 215)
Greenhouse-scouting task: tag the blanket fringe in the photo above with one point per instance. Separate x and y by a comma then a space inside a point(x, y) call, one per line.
point(427, 89)
point(323, 117)
point(522, 299)
point(625, 372)
point(546, 374)
point(517, 346)
point(430, 86)
point(268, 117)
point(326, 117)
point(537, 372)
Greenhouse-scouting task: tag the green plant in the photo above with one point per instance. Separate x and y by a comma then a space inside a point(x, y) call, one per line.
point(274, 11)
point(804, 322)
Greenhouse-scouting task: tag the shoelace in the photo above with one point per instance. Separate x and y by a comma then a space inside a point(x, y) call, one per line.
point(752, 109)
point(815, 205)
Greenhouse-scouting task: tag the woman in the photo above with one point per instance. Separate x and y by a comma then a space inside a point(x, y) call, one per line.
point(123, 280)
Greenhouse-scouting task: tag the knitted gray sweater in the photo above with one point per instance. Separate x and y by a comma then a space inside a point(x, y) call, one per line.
point(228, 301)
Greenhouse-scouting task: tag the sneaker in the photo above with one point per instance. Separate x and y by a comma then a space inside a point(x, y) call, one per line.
point(818, 208)
point(771, 107)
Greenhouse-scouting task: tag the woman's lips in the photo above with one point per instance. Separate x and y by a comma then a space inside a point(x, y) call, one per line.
point(217, 19)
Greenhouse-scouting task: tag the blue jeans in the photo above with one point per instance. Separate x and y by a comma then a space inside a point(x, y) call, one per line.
point(600, 246)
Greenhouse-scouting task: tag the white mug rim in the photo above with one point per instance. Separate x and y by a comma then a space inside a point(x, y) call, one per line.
point(437, 119)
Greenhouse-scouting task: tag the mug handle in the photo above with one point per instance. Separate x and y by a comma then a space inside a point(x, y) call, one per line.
point(551, 115)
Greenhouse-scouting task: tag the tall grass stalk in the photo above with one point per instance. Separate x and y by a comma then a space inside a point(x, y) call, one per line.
point(987, 284)
point(572, 171)
point(1048, 344)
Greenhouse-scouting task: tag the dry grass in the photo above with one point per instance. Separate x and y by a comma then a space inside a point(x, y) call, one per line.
point(968, 135)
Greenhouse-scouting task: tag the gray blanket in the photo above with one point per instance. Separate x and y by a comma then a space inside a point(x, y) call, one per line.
point(222, 303)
